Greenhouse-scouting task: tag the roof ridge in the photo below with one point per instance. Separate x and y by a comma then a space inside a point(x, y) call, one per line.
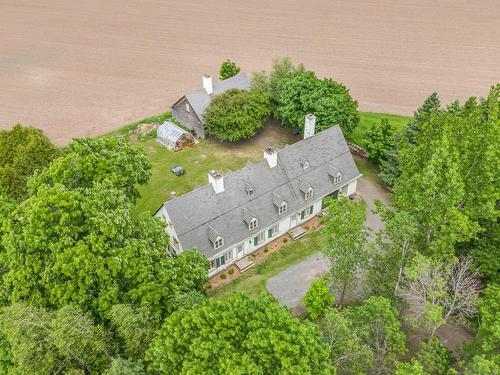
point(260, 195)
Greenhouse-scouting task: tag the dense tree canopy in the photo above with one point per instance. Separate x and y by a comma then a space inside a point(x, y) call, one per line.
point(47, 342)
point(228, 69)
point(236, 114)
point(328, 100)
point(448, 181)
point(84, 247)
point(23, 152)
point(91, 160)
point(238, 335)
point(272, 83)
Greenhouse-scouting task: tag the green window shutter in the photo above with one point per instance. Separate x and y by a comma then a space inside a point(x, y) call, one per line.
point(255, 241)
point(302, 214)
point(270, 232)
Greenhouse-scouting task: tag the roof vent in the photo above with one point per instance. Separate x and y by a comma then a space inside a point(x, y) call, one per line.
point(216, 180)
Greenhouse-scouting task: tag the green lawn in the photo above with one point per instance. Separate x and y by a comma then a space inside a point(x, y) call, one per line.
point(254, 280)
point(368, 118)
point(209, 154)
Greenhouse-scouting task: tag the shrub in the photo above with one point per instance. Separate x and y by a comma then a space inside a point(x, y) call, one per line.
point(223, 276)
point(318, 298)
point(236, 114)
point(228, 69)
point(285, 240)
point(231, 271)
point(266, 249)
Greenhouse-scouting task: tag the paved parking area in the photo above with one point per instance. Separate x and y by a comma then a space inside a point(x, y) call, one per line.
point(290, 285)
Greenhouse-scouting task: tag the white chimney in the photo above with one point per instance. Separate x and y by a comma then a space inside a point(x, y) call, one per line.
point(271, 156)
point(309, 125)
point(207, 84)
point(216, 180)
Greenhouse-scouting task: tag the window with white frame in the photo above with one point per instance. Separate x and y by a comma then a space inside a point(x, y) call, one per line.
point(310, 210)
point(253, 224)
point(219, 242)
point(212, 264)
point(309, 194)
point(259, 238)
point(343, 190)
point(282, 208)
point(229, 255)
point(338, 178)
point(273, 231)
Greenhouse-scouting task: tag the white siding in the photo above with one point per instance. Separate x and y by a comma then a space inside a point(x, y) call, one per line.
point(169, 228)
point(284, 226)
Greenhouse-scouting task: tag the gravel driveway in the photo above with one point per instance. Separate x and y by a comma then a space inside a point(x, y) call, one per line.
point(290, 285)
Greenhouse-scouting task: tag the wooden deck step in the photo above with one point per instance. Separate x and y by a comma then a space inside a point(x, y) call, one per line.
point(244, 264)
point(297, 232)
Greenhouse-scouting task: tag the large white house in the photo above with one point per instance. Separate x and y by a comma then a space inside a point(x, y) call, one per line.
point(238, 213)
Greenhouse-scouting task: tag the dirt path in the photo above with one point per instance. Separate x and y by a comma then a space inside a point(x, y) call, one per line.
point(84, 68)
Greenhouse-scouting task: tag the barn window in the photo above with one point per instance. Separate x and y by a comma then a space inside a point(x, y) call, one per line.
point(187, 107)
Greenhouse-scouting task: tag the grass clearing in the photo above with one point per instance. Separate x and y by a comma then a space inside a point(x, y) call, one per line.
point(366, 121)
point(209, 154)
point(254, 280)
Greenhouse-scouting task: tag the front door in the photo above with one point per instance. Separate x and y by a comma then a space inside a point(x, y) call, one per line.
point(293, 220)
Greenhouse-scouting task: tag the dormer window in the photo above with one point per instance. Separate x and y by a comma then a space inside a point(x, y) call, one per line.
point(335, 173)
point(306, 188)
point(282, 208)
point(254, 223)
point(309, 194)
point(215, 238)
point(219, 242)
point(250, 219)
point(279, 203)
point(338, 178)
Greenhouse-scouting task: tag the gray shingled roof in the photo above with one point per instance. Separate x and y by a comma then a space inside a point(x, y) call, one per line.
point(200, 100)
point(192, 214)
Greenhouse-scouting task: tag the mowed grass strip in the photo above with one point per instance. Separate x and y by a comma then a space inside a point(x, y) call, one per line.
point(367, 119)
point(254, 280)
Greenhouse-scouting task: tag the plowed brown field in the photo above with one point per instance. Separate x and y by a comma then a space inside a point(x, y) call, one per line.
point(76, 68)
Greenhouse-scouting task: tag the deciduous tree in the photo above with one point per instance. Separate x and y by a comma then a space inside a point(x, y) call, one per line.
point(238, 335)
point(379, 138)
point(318, 298)
point(23, 152)
point(436, 292)
point(228, 69)
point(84, 247)
point(328, 100)
point(91, 160)
point(236, 114)
point(346, 242)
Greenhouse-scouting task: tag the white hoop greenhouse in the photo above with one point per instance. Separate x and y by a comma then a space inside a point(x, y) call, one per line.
point(173, 137)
